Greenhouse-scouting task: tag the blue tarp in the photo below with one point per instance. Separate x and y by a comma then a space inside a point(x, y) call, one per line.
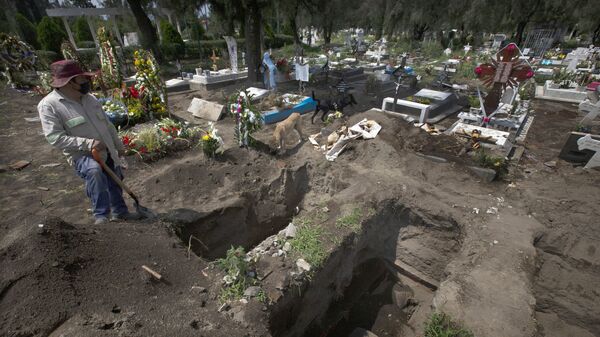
point(274, 116)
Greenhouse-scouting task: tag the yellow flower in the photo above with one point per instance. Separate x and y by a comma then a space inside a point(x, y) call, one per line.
point(137, 63)
point(206, 137)
point(149, 63)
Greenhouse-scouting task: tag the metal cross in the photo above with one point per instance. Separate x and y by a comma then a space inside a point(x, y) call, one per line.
point(506, 70)
point(214, 59)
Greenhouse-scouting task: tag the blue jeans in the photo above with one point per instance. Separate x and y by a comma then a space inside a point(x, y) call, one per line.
point(105, 194)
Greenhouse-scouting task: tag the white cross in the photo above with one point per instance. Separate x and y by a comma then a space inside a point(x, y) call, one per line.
point(587, 143)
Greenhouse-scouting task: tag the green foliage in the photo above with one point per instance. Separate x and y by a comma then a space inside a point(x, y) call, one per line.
point(498, 164)
point(86, 44)
point(50, 34)
point(27, 30)
point(81, 30)
point(440, 325)
point(350, 221)
point(308, 245)
point(474, 101)
point(45, 58)
point(197, 32)
point(235, 265)
point(278, 41)
point(431, 49)
point(172, 44)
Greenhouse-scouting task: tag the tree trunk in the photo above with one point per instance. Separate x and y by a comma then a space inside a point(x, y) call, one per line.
point(147, 30)
point(419, 31)
point(294, 27)
point(596, 36)
point(519, 34)
point(327, 30)
point(252, 22)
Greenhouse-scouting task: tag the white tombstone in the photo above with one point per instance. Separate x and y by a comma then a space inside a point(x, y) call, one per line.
point(302, 72)
point(509, 96)
point(587, 143)
point(131, 39)
point(593, 114)
point(572, 67)
point(232, 50)
point(206, 110)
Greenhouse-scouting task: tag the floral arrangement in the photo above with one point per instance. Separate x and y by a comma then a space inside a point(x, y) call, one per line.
point(247, 117)
point(282, 66)
point(149, 88)
point(69, 53)
point(152, 141)
point(115, 110)
point(45, 79)
point(16, 58)
point(211, 142)
point(109, 62)
point(421, 100)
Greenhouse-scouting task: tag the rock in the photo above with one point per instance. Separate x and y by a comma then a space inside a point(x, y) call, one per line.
point(290, 231)
point(223, 307)
point(50, 165)
point(42, 188)
point(199, 289)
point(550, 163)
point(325, 209)
point(252, 291)
point(287, 247)
point(303, 265)
point(401, 295)
point(488, 175)
point(3, 168)
point(19, 165)
point(360, 332)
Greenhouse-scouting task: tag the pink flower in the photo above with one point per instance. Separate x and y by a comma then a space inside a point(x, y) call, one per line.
point(478, 70)
point(529, 74)
point(511, 47)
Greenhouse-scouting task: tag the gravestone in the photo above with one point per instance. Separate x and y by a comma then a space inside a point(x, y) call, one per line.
point(467, 48)
point(587, 143)
point(232, 49)
point(206, 110)
point(131, 39)
point(593, 114)
point(509, 96)
point(498, 39)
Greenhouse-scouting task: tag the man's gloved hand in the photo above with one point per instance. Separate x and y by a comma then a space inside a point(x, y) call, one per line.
point(98, 145)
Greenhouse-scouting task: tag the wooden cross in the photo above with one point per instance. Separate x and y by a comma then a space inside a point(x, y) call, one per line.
point(506, 70)
point(214, 59)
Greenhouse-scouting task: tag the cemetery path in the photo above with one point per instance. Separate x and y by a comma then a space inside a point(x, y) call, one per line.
point(532, 236)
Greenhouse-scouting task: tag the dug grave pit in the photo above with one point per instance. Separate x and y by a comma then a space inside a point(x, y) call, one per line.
point(380, 277)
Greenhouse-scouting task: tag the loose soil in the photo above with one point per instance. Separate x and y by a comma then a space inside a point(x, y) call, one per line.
point(512, 258)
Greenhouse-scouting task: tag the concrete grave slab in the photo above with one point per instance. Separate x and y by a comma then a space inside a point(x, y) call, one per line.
point(205, 109)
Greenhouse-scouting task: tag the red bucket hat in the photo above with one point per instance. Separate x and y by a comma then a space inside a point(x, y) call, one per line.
point(65, 70)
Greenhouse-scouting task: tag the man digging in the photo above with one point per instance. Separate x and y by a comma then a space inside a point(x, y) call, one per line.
point(73, 121)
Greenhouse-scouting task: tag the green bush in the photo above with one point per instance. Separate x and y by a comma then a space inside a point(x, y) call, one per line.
point(197, 32)
point(172, 45)
point(27, 30)
point(45, 58)
point(90, 58)
point(86, 44)
point(50, 34)
point(441, 325)
point(81, 30)
point(172, 51)
point(278, 41)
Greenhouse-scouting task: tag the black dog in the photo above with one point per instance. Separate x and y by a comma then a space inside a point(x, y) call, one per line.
point(332, 105)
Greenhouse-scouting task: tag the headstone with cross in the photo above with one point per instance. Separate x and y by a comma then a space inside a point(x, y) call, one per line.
point(214, 59)
point(506, 70)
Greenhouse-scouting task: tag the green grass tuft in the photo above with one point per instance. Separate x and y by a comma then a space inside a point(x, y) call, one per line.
point(440, 325)
point(308, 245)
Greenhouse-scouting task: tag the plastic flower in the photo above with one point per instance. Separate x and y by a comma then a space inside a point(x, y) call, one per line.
point(206, 137)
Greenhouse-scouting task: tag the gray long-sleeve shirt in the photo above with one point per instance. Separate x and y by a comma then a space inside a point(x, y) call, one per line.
point(73, 126)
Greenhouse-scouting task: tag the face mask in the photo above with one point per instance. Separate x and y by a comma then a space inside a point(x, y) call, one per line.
point(84, 88)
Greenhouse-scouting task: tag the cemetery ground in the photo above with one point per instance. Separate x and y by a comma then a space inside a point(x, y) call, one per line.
point(387, 233)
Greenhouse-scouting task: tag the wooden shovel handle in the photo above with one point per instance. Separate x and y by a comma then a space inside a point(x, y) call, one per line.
point(97, 157)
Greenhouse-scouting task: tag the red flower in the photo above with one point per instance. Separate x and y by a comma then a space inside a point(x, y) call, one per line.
point(529, 74)
point(143, 149)
point(133, 92)
point(478, 70)
point(511, 47)
point(165, 130)
point(126, 140)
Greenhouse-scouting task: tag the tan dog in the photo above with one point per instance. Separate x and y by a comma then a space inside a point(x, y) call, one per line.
point(283, 128)
point(335, 136)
